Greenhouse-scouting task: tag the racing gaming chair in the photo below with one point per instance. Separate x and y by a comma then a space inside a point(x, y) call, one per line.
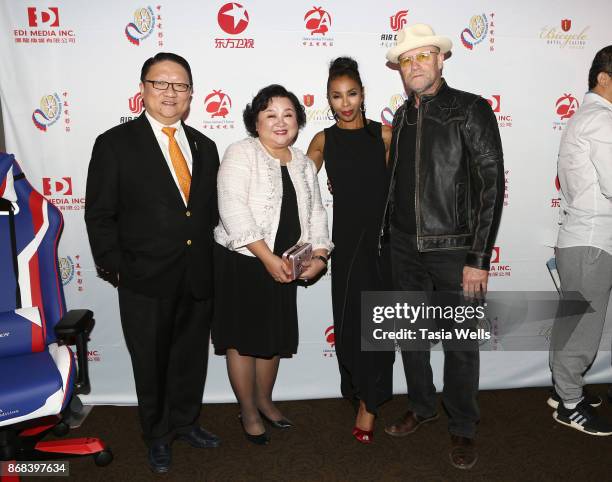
point(38, 376)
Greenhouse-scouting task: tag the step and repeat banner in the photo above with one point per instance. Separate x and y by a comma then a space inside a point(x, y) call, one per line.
point(70, 70)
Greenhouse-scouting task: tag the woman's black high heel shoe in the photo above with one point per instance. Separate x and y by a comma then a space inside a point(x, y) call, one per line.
point(261, 439)
point(281, 424)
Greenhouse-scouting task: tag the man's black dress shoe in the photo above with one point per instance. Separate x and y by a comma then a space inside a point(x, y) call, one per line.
point(160, 457)
point(200, 438)
point(282, 424)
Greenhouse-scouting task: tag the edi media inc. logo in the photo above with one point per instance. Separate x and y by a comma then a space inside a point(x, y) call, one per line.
point(44, 26)
point(59, 192)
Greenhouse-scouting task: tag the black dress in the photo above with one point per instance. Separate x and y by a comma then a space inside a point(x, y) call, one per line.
point(253, 313)
point(355, 164)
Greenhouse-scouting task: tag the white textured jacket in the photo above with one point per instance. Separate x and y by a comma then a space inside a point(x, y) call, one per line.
point(585, 175)
point(250, 190)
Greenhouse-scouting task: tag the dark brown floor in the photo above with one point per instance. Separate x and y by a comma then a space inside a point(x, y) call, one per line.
point(518, 440)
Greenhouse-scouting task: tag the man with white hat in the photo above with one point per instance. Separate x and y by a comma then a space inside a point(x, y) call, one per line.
point(443, 210)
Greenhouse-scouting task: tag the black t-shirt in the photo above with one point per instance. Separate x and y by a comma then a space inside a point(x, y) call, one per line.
point(404, 214)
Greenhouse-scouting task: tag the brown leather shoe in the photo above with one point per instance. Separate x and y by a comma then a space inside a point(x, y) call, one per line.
point(463, 453)
point(408, 424)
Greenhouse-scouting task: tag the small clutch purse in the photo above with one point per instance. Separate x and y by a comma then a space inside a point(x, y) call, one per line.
point(296, 256)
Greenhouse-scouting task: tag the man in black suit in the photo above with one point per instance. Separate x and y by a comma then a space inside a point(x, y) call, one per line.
point(150, 210)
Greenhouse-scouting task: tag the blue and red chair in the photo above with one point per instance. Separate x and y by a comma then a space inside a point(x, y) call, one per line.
point(39, 376)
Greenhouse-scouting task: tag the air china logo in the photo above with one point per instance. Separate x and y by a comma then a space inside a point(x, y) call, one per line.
point(57, 186)
point(396, 23)
point(564, 37)
point(143, 26)
point(59, 192)
point(136, 103)
point(386, 115)
point(504, 119)
point(478, 30)
point(565, 107)
point(49, 17)
point(318, 22)
point(330, 339)
point(218, 106)
point(498, 269)
point(48, 113)
point(398, 20)
point(44, 28)
point(233, 19)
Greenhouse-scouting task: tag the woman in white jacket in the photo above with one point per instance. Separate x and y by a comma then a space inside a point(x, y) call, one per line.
point(269, 200)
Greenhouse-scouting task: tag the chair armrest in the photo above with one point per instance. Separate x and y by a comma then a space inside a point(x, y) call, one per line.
point(74, 329)
point(75, 322)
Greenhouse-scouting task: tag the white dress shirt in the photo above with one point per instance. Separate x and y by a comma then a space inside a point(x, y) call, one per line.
point(164, 144)
point(585, 175)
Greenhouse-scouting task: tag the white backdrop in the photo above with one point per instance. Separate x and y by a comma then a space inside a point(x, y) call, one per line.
point(70, 71)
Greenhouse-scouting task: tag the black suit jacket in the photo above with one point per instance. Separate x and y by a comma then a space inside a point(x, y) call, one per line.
point(138, 225)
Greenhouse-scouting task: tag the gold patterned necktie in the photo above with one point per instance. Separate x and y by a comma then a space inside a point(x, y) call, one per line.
point(178, 162)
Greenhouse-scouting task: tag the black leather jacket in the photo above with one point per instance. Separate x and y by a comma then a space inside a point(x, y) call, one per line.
point(459, 173)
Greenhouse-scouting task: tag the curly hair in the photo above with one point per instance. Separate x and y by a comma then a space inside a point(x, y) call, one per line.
point(261, 101)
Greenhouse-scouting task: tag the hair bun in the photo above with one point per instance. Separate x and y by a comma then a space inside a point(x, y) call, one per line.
point(343, 63)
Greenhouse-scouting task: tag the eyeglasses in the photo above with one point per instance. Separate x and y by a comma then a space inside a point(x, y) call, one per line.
point(421, 58)
point(163, 85)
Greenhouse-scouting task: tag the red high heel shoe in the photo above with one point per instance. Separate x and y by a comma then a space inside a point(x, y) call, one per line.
point(364, 436)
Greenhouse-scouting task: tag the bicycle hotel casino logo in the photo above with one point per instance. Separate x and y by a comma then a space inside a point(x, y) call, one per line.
point(397, 22)
point(44, 27)
point(146, 24)
point(480, 31)
point(565, 35)
point(233, 19)
point(565, 107)
point(50, 110)
point(218, 106)
point(317, 110)
point(317, 22)
point(58, 191)
point(498, 268)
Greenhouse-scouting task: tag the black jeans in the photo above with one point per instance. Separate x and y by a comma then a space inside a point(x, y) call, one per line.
point(443, 271)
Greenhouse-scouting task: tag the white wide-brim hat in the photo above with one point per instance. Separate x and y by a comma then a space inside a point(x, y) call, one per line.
point(415, 36)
